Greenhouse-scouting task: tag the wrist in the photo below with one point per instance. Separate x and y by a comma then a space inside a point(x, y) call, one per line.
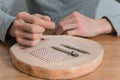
point(106, 26)
point(11, 31)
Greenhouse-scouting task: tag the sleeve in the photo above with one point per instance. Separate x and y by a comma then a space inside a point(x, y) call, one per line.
point(5, 18)
point(111, 12)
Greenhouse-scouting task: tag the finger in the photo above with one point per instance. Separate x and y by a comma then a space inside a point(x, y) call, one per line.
point(32, 36)
point(43, 17)
point(61, 24)
point(73, 32)
point(26, 17)
point(27, 35)
point(27, 42)
point(43, 23)
point(72, 15)
point(32, 28)
point(64, 28)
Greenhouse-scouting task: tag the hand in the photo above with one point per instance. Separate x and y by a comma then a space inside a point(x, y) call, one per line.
point(28, 29)
point(80, 25)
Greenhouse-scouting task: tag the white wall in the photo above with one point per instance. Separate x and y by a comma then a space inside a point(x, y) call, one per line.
point(18, 6)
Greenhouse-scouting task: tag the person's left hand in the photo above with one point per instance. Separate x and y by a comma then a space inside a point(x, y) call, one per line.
point(81, 25)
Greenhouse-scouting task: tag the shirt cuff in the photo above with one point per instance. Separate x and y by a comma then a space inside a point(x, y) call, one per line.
point(6, 22)
point(115, 21)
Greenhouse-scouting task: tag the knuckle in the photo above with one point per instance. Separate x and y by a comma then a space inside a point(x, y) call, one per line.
point(37, 14)
point(75, 14)
point(20, 14)
point(32, 29)
point(76, 19)
point(47, 17)
point(33, 43)
point(16, 33)
point(18, 39)
point(34, 37)
point(42, 29)
point(46, 24)
point(35, 20)
point(16, 23)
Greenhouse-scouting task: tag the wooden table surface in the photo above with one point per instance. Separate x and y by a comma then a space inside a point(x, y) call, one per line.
point(108, 70)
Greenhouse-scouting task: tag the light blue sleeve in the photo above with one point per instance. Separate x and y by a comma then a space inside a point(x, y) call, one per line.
point(5, 18)
point(111, 10)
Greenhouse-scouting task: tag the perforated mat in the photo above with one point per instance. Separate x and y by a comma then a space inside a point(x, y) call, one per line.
point(47, 55)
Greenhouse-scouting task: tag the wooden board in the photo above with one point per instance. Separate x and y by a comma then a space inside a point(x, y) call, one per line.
point(45, 62)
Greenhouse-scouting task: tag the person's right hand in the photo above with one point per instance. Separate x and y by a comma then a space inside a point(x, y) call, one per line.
point(28, 29)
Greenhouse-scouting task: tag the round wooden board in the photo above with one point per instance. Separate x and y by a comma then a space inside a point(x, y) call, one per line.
point(45, 62)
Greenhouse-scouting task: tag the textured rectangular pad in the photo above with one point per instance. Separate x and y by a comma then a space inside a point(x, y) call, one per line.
point(47, 55)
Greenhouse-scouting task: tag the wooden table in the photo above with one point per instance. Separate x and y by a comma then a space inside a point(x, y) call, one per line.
point(108, 70)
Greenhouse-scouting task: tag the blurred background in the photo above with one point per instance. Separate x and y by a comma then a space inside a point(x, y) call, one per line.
point(18, 6)
point(103, 8)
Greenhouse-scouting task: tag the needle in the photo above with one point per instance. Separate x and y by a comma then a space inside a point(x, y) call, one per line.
point(79, 50)
point(72, 53)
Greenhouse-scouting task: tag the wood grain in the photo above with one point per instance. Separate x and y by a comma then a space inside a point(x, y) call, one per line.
point(68, 68)
point(108, 70)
